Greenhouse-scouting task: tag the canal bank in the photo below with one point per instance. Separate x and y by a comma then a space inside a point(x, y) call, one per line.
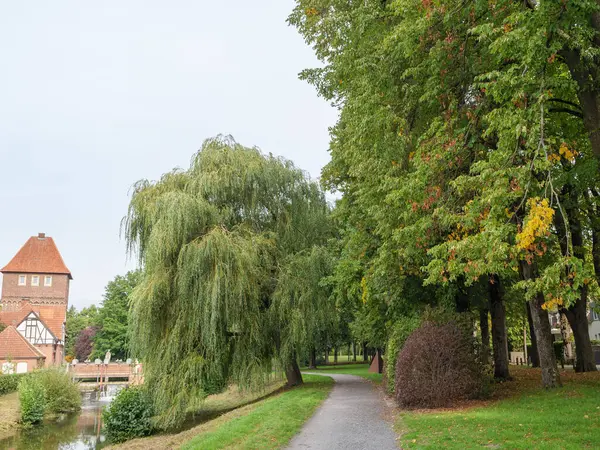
point(77, 431)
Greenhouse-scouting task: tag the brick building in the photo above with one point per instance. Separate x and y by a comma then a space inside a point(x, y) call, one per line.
point(33, 305)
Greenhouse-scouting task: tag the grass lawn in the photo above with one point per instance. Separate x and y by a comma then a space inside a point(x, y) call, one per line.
point(268, 424)
point(519, 416)
point(362, 370)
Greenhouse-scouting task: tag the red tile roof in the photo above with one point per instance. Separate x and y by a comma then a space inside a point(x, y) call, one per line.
point(38, 255)
point(15, 346)
point(51, 316)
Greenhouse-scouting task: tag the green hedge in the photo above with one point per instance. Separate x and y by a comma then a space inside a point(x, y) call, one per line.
point(9, 383)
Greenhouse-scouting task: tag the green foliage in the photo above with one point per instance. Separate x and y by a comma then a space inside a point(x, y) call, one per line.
point(32, 397)
point(399, 333)
point(10, 383)
point(213, 241)
point(129, 415)
point(464, 151)
point(2, 327)
point(113, 317)
point(77, 321)
point(61, 394)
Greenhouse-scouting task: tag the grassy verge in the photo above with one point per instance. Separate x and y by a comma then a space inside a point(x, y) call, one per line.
point(270, 423)
point(9, 414)
point(520, 416)
point(235, 411)
point(361, 370)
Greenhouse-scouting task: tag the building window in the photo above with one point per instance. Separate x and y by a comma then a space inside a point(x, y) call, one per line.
point(22, 280)
point(35, 280)
point(595, 315)
point(47, 280)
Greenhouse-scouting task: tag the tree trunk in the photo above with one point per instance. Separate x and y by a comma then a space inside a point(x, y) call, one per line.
point(312, 364)
point(354, 351)
point(292, 373)
point(326, 356)
point(461, 299)
point(566, 337)
point(534, 355)
point(484, 313)
point(365, 354)
point(577, 312)
point(588, 96)
point(499, 337)
point(335, 355)
point(543, 333)
point(577, 317)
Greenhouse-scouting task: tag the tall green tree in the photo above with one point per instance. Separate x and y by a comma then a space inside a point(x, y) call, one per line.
point(213, 242)
point(113, 317)
point(463, 149)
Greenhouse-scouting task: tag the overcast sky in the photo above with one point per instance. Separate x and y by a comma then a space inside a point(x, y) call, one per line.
point(97, 95)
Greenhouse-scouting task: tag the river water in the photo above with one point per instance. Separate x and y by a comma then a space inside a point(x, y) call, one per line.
point(78, 431)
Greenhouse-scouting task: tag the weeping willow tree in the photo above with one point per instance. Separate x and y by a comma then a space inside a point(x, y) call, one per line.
point(214, 241)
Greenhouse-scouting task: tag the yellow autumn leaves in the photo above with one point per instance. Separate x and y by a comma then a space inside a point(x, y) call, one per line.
point(564, 152)
point(537, 223)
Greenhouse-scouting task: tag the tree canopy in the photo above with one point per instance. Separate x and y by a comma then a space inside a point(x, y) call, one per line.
point(465, 155)
point(214, 242)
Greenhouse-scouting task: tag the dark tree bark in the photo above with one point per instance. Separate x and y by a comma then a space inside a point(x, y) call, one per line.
point(576, 313)
point(293, 374)
point(326, 356)
point(543, 333)
point(588, 94)
point(461, 300)
point(535, 359)
point(335, 355)
point(365, 353)
point(484, 313)
point(312, 364)
point(354, 351)
point(565, 332)
point(499, 337)
point(584, 353)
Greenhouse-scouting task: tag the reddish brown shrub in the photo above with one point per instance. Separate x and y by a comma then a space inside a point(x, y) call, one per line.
point(437, 366)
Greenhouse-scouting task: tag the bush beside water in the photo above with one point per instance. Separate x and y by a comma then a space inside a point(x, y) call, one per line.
point(10, 383)
point(62, 395)
point(32, 397)
point(129, 415)
point(47, 392)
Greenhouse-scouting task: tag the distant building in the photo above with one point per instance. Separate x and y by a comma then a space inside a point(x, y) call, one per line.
point(594, 321)
point(33, 306)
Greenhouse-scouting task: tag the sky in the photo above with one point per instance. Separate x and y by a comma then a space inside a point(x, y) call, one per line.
point(97, 95)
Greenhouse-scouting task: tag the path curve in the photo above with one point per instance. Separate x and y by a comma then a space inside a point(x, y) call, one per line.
point(350, 418)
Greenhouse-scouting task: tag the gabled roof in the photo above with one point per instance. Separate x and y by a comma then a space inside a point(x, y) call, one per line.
point(37, 316)
point(38, 255)
point(50, 317)
point(15, 346)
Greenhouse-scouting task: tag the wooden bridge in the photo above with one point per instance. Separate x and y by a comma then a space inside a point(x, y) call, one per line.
point(102, 373)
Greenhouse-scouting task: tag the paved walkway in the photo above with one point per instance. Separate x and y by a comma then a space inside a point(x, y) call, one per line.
point(350, 418)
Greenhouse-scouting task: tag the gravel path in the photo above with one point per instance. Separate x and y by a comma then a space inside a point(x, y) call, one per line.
point(350, 418)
